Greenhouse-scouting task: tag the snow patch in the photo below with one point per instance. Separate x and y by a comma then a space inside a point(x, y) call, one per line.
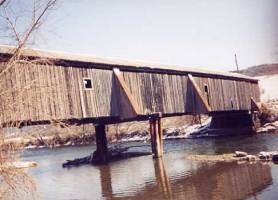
point(268, 86)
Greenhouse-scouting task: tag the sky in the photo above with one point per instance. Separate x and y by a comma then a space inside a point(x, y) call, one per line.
point(194, 33)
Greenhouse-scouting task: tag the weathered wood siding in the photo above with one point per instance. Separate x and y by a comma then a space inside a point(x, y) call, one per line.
point(173, 93)
point(229, 94)
point(158, 92)
point(43, 92)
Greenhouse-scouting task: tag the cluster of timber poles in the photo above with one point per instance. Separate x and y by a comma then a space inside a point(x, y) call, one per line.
point(102, 152)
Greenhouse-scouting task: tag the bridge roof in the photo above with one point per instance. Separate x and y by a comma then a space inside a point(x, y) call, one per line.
point(123, 64)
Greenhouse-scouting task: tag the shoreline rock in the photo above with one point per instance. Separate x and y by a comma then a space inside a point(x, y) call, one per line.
point(238, 156)
point(271, 127)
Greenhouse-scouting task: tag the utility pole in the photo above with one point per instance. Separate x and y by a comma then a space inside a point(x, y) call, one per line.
point(236, 63)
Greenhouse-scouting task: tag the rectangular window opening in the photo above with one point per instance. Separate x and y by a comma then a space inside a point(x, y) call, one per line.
point(87, 83)
point(207, 93)
point(206, 88)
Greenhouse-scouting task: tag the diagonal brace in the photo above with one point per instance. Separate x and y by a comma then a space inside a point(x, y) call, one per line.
point(199, 94)
point(133, 103)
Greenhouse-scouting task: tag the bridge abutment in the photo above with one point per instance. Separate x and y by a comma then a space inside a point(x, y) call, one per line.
point(232, 123)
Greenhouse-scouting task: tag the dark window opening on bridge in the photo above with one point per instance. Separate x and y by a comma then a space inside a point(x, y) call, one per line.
point(87, 83)
point(206, 88)
point(207, 93)
point(232, 103)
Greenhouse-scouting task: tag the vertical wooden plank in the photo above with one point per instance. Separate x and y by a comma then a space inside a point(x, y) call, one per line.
point(28, 95)
point(43, 92)
point(93, 99)
point(20, 105)
point(75, 92)
point(185, 93)
point(65, 95)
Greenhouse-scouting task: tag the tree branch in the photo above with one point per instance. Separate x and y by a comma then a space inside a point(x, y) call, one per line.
point(2, 2)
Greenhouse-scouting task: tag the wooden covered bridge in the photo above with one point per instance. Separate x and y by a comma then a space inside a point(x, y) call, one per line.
point(46, 87)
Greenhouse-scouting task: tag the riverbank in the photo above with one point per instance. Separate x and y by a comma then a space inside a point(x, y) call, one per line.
point(175, 128)
point(172, 133)
point(52, 137)
point(64, 140)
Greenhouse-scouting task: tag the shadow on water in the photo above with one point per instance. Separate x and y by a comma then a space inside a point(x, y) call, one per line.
point(252, 144)
point(214, 181)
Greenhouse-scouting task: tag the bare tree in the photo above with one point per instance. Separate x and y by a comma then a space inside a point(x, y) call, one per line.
point(2, 2)
point(15, 182)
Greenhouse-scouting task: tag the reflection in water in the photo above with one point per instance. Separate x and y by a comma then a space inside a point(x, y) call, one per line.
point(224, 181)
point(214, 181)
point(172, 177)
point(106, 181)
point(162, 178)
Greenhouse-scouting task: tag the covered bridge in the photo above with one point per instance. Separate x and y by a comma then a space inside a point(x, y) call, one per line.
point(45, 86)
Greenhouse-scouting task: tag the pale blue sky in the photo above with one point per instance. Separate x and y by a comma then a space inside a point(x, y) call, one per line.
point(196, 33)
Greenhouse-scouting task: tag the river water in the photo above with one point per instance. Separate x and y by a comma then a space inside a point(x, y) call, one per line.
point(173, 177)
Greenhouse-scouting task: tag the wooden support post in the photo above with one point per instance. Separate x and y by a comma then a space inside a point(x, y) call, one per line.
point(156, 137)
point(101, 142)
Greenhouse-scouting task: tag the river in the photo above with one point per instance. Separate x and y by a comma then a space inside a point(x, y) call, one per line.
point(172, 177)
